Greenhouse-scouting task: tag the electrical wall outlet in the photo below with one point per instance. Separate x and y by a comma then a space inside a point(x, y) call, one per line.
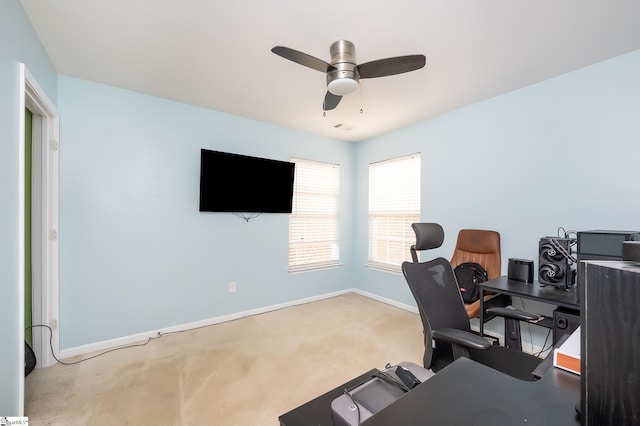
point(232, 286)
point(53, 324)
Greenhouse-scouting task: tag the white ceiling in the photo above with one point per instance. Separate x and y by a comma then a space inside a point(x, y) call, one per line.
point(217, 54)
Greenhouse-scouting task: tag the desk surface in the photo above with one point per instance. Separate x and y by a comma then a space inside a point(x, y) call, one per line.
point(468, 393)
point(317, 412)
point(463, 393)
point(534, 291)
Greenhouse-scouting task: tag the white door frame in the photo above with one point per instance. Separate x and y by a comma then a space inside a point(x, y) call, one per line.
point(44, 218)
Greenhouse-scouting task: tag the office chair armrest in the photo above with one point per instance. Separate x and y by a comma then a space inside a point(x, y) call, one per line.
point(461, 338)
point(513, 313)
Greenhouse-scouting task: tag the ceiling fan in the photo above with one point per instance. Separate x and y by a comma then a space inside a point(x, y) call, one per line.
point(343, 73)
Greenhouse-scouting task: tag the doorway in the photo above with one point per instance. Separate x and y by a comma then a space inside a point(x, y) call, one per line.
point(28, 267)
point(43, 209)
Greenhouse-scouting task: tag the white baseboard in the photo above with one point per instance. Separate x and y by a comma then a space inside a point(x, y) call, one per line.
point(141, 337)
point(391, 302)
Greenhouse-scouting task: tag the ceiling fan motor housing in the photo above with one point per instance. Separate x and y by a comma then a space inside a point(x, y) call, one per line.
point(344, 78)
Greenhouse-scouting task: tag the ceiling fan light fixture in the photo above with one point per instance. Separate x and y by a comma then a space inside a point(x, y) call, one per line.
point(342, 86)
point(344, 78)
point(343, 72)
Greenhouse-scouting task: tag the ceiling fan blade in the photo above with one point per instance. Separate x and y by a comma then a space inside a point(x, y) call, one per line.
point(330, 101)
point(302, 58)
point(391, 66)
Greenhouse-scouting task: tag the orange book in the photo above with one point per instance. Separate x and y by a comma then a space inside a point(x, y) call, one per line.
point(567, 356)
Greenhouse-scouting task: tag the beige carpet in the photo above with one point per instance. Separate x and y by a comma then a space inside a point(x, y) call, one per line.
point(244, 372)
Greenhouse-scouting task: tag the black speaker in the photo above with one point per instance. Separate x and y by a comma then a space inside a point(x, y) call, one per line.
point(520, 270)
point(29, 359)
point(565, 321)
point(631, 250)
point(554, 266)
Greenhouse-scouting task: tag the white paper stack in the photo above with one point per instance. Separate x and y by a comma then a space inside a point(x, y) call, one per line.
point(567, 356)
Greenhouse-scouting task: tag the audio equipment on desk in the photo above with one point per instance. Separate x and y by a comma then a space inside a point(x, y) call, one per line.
point(520, 270)
point(565, 321)
point(603, 245)
point(556, 264)
point(631, 250)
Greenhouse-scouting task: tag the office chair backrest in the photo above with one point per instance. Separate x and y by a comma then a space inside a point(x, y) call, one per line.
point(428, 236)
point(479, 246)
point(435, 290)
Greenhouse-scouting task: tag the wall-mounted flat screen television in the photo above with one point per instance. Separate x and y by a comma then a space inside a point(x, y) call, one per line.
point(244, 184)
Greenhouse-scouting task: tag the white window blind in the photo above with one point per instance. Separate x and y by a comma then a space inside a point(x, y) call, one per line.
point(394, 204)
point(313, 223)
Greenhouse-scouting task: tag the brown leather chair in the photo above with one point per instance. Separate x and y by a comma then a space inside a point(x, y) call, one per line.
point(482, 247)
point(477, 246)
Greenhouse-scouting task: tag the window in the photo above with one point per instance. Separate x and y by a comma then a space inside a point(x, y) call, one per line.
point(313, 223)
point(394, 204)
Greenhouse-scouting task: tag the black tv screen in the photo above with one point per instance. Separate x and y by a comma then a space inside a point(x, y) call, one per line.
point(243, 184)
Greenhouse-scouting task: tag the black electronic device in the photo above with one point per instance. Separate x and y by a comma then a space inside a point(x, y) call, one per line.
point(363, 401)
point(29, 359)
point(244, 184)
point(565, 321)
point(556, 265)
point(520, 270)
point(407, 377)
point(631, 250)
point(603, 245)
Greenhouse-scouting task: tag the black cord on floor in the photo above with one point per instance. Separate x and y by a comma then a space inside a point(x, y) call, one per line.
point(545, 342)
point(159, 335)
point(91, 357)
point(543, 348)
point(528, 325)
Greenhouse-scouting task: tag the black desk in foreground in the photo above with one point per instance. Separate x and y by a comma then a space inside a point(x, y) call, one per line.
point(467, 393)
point(317, 412)
point(464, 393)
point(532, 291)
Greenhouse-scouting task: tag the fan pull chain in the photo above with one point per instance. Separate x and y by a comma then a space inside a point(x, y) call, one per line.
point(324, 108)
point(361, 97)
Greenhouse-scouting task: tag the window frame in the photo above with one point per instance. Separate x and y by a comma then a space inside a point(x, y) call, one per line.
point(383, 207)
point(314, 224)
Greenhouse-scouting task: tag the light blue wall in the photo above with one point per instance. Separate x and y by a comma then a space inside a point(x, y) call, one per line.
point(18, 43)
point(561, 153)
point(135, 253)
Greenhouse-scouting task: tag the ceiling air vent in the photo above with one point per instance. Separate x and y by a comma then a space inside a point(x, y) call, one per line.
point(342, 127)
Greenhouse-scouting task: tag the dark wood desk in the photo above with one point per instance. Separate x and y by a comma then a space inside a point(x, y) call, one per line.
point(533, 291)
point(468, 393)
point(464, 393)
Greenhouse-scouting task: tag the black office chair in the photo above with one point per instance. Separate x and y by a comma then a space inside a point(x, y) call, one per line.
point(447, 330)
